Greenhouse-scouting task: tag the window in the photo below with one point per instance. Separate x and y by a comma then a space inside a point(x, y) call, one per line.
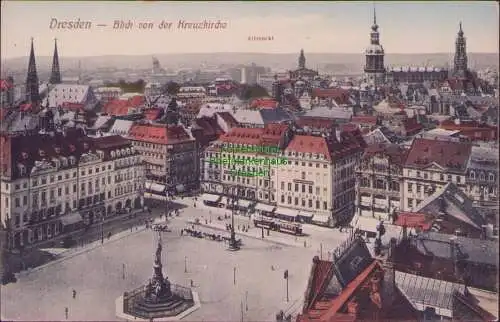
point(491, 177)
point(289, 186)
point(481, 176)
point(59, 192)
point(317, 204)
point(303, 188)
point(441, 177)
point(310, 189)
point(289, 199)
point(410, 202)
point(325, 205)
point(303, 203)
point(296, 201)
point(317, 190)
point(472, 175)
point(419, 188)
point(418, 174)
point(449, 177)
point(296, 187)
point(303, 176)
point(17, 202)
point(25, 200)
point(282, 185)
point(410, 187)
point(325, 166)
point(44, 180)
point(310, 203)
point(459, 179)
point(425, 175)
point(282, 198)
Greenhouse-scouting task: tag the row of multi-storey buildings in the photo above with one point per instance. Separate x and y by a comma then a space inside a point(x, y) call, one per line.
point(392, 179)
point(56, 183)
point(316, 183)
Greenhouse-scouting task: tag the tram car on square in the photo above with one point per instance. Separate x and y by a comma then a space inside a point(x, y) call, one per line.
point(274, 224)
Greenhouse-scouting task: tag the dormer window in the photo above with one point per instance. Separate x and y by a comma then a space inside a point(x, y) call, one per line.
point(22, 169)
point(72, 160)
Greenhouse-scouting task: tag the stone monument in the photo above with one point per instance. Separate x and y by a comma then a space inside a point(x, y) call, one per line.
point(158, 299)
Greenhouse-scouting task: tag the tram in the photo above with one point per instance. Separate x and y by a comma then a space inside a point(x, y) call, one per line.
point(278, 225)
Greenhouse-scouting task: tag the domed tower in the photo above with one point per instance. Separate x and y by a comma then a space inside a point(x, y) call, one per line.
point(374, 67)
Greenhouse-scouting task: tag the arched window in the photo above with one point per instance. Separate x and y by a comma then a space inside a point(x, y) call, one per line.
point(472, 175)
point(491, 177)
point(481, 176)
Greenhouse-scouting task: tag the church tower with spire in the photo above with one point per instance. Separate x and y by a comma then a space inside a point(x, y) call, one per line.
point(302, 60)
point(55, 76)
point(374, 67)
point(32, 93)
point(460, 59)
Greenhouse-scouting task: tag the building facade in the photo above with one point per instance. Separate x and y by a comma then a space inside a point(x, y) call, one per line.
point(169, 153)
point(430, 165)
point(482, 176)
point(58, 184)
point(380, 177)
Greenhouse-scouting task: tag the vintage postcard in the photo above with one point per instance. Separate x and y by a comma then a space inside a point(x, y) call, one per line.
point(249, 161)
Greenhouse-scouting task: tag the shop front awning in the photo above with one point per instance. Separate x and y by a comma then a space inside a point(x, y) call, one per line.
point(155, 187)
point(322, 219)
point(244, 203)
point(368, 224)
point(210, 197)
point(306, 214)
point(264, 207)
point(290, 213)
point(71, 218)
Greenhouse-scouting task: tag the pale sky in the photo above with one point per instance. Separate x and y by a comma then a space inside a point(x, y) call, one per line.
point(318, 27)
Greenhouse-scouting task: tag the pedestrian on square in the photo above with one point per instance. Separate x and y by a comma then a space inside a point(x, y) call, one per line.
point(74, 294)
point(66, 311)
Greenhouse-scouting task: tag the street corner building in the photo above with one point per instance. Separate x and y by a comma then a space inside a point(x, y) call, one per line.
point(57, 183)
point(170, 155)
point(315, 184)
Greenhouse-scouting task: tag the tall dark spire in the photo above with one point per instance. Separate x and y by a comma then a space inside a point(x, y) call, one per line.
point(32, 94)
point(460, 59)
point(55, 76)
point(302, 59)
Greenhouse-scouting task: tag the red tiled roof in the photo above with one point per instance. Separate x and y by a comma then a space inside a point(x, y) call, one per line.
point(5, 85)
point(158, 133)
point(72, 106)
point(414, 220)
point(371, 120)
point(319, 123)
point(309, 144)
point(447, 154)
point(341, 96)
point(472, 129)
point(118, 107)
point(249, 136)
point(264, 103)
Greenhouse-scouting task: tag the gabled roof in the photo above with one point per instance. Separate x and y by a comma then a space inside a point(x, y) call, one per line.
point(465, 309)
point(394, 152)
point(450, 155)
point(452, 201)
point(5, 84)
point(228, 118)
point(159, 134)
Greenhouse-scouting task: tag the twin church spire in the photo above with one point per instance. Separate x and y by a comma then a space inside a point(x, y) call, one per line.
point(32, 81)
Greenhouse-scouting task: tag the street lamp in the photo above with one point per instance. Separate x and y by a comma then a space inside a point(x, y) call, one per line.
point(185, 264)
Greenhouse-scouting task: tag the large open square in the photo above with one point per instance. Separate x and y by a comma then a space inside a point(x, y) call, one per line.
point(101, 275)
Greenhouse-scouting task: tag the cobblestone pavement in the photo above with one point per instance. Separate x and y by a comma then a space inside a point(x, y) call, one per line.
point(97, 274)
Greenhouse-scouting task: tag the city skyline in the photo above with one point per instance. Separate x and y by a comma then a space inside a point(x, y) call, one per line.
point(298, 25)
